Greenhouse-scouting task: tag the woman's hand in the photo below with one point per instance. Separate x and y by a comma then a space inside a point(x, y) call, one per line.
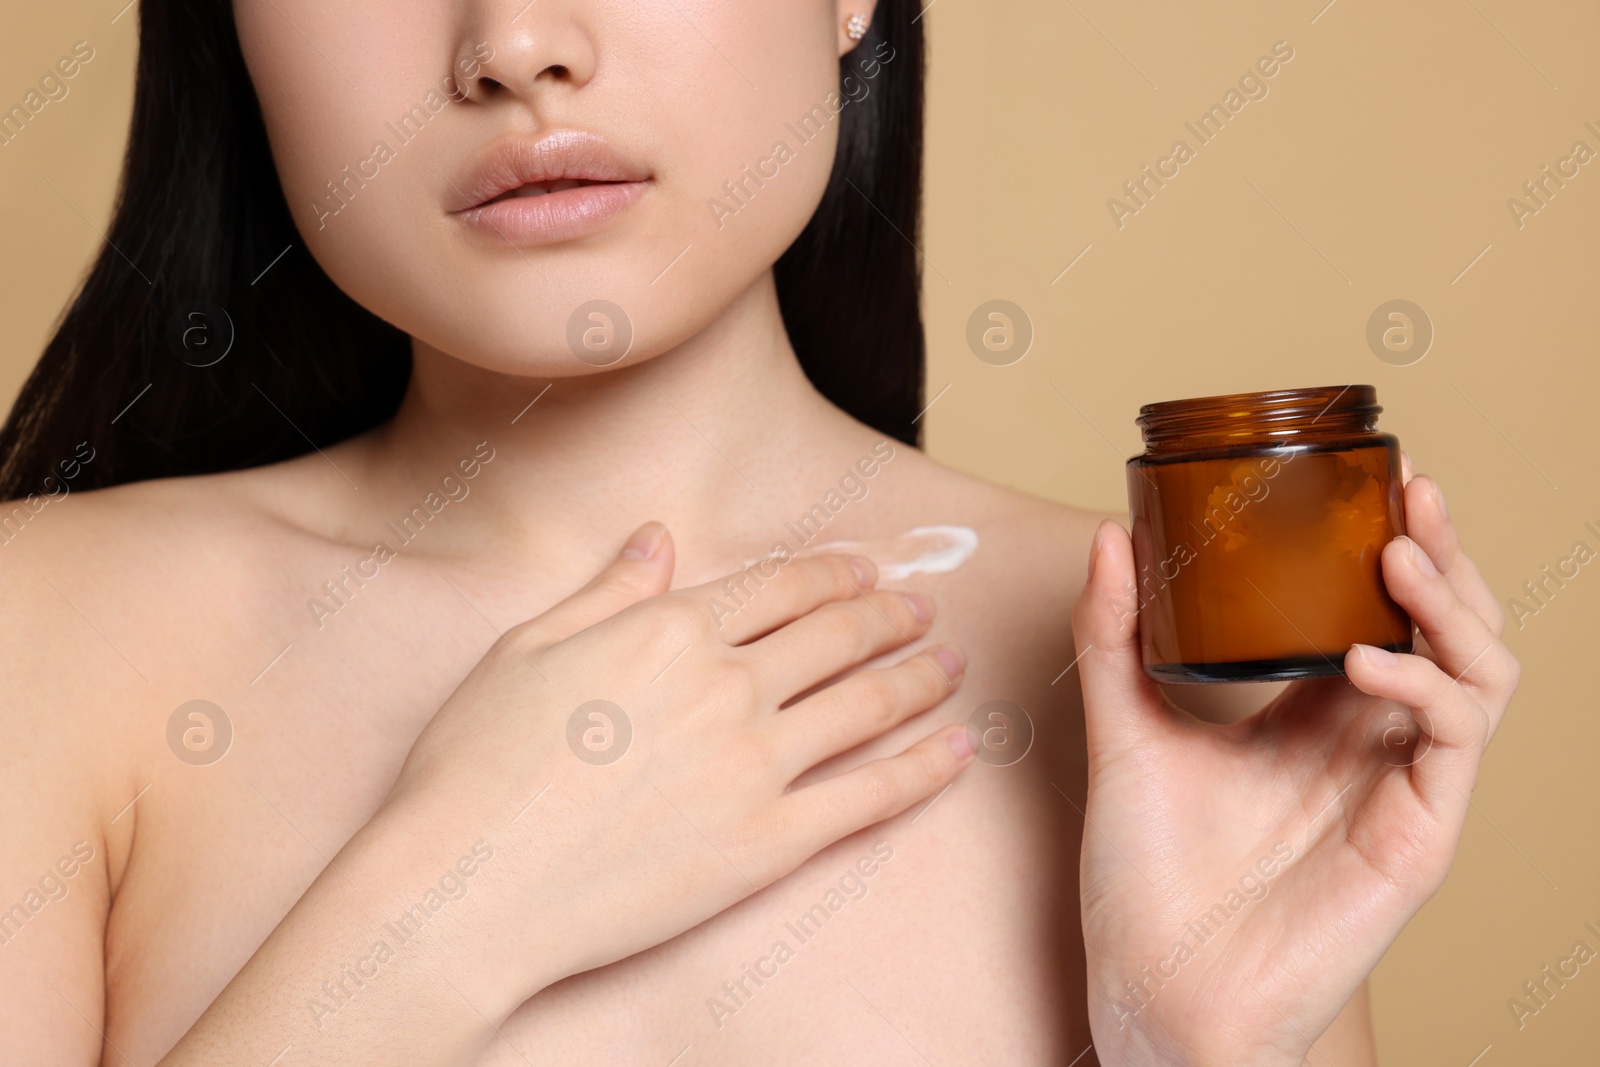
point(532, 834)
point(1240, 882)
point(629, 821)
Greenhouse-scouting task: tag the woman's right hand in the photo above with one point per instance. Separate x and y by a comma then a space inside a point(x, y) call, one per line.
point(616, 828)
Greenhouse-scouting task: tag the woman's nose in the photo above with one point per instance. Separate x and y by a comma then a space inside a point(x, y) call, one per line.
point(525, 47)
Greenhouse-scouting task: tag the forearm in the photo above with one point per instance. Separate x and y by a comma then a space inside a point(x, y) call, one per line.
point(395, 954)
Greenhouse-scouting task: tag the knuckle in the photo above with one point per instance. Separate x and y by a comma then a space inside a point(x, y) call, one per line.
point(835, 811)
point(932, 762)
point(852, 627)
point(1510, 670)
point(1496, 671)
point(826, 577)
point(880, 793)
point(878, 693)
point(674, 621)
point(898, 609)
point(883, 617)
point(733, 685)
point(843, 575)
point(931, 681)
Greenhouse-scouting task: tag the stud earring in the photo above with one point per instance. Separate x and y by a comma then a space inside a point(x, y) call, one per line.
point(855, 27)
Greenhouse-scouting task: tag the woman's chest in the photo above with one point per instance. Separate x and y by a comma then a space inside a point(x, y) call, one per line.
point(950, 933)
point(953, 927)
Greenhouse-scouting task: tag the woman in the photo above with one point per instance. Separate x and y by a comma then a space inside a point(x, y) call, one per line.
point(370, 712)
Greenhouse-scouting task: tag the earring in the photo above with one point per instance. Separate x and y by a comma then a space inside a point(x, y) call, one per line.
point(855, 27)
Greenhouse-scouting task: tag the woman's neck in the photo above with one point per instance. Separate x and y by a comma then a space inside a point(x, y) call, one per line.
point(712, 438)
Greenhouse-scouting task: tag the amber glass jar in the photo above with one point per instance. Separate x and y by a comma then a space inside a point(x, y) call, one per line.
point(1258, 522)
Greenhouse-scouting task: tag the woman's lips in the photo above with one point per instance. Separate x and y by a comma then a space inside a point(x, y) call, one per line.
point(556, 188)
point(554, 216)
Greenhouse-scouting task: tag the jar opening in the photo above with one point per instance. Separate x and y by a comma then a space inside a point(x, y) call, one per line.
point(1264, 418)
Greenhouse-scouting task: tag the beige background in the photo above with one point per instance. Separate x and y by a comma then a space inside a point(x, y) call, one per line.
point(1377, 167)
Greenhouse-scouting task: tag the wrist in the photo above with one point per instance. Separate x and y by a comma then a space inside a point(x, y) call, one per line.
point(1134, 1029)
point(1155, 1048)
point(474, 894)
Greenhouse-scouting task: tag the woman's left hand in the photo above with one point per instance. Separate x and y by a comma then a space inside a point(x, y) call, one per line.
point(1240, 882)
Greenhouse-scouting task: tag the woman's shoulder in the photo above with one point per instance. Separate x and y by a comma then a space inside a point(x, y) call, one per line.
point(160, 530)
point(119, 585)
point(1021, 537)
point(119, 604)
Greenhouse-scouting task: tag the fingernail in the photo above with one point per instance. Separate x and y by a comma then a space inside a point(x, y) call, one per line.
point(645, 541)
point(919, 606)
point(951, 659)
point(1438, 499)
point(1405, 466)
point(1420, 560)
point(961, 743)
point(1374, 656)
point(1094, 550)
point(866, 573)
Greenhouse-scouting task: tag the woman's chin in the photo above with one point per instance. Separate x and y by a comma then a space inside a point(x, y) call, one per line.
point(516, 358)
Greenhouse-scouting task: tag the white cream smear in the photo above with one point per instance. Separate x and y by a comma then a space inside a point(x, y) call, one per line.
point(920, 550)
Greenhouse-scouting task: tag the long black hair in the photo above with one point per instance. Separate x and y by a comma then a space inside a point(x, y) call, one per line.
point(191, 267)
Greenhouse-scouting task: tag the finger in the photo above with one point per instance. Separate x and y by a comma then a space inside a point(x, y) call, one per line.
point(1455, 726)
point(829, 810)
point(642, 569)
point(768, 594)
point(1428, 523)
point(834, 637)
point(865, 705)
point(1118, 697)
point(1462, 643)
point(1405, 467)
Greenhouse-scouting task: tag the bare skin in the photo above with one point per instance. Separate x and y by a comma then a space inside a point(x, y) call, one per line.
point(967, 941)
point(409, 735)
point(322, 734)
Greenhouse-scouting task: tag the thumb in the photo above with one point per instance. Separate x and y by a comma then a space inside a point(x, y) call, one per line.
point(1122, 705)
point(642, 569)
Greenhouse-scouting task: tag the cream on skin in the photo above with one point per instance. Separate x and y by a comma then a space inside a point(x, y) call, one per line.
point(920, 550)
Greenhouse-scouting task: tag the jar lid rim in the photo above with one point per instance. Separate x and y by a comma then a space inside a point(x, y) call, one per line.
point(1353, 395)
point(1241, 418)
